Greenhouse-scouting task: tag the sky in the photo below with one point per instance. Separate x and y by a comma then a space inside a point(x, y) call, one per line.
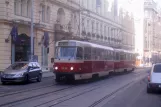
point(136, 8)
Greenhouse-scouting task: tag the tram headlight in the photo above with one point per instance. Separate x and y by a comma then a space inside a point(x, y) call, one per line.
point(56, 68)
point(71, 68)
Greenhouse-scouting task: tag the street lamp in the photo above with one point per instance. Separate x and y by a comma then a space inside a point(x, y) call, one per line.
point(32, 29)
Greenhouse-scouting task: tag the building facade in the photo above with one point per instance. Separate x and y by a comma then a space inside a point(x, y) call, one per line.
point(152, 33)
point(103, 24)
point(60, 19)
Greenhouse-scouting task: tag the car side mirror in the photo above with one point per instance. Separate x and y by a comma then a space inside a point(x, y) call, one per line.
point(30, 68)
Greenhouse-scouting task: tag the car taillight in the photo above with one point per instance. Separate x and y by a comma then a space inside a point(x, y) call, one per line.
point(148, 78)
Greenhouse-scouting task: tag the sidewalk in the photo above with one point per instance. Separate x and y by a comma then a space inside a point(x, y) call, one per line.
point(48, 74)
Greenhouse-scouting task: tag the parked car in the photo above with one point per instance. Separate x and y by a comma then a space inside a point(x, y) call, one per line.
point(154, 78)
point(22, 72)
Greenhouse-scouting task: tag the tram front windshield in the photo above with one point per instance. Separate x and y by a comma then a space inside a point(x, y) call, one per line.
point(69, 53)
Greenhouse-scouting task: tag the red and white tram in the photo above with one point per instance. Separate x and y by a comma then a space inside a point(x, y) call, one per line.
point(124, 60)
point(77, 60)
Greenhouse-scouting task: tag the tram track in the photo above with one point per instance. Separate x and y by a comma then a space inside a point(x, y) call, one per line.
point(23, 99)
point(84, 92)
point(22, 91)
point(61, 99)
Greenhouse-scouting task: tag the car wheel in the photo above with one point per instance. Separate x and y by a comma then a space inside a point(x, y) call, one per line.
point(39, 78)
point(3, 83)
point(149, 90)
point(26, 79)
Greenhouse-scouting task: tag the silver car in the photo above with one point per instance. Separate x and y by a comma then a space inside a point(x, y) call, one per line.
point(22, 72)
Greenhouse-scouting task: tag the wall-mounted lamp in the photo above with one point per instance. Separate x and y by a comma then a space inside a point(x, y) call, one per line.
point(7, 2)
point(7, 40)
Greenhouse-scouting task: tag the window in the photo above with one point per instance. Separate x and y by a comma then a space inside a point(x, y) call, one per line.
point(105, 30)
point(29, 8)
point(97, 26)
point(17, 7)
point(83, 27)
point(157, 68)
point(79, 53)
point(87, 53)
point(43, 13)
point(102, 54)
point(88, 25)
point(94, 53)
point(117, 56)
point(101, 29)
point(24, 8)
point(48, 14)
point(92, 26)
point(66, 52)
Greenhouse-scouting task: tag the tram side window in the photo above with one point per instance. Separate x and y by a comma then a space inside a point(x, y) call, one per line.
point(122, 57)
point(93, 53)
point(110, 55)
point(114, 55)
point(117, 56)
point(106, 55)
point(87, 53)
point(98, 54)
point(79, 53)
point(102, 54)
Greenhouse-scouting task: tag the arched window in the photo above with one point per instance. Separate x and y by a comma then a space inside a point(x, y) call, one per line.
point(17, 7)
point(61, 16)
point(48, 14)
point(29, 8)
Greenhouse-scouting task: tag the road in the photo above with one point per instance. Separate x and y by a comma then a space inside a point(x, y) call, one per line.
point(125, 90)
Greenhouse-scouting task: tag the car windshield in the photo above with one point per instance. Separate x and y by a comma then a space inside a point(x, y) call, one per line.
point(18, 66)
point(157, 68)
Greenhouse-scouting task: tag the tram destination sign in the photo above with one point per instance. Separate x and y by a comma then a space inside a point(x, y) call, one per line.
point(67, 43)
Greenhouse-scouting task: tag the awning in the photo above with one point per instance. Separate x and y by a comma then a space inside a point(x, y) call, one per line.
point(14, 33)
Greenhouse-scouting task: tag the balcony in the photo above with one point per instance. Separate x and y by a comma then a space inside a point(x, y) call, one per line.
point(63, 29)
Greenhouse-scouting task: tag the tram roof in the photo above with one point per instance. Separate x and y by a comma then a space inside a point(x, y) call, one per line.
point(84, 43)
point(122, 50)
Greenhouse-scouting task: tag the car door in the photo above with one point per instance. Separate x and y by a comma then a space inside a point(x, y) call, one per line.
point(33, 71)
point(156, 74)
point(30, 71)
